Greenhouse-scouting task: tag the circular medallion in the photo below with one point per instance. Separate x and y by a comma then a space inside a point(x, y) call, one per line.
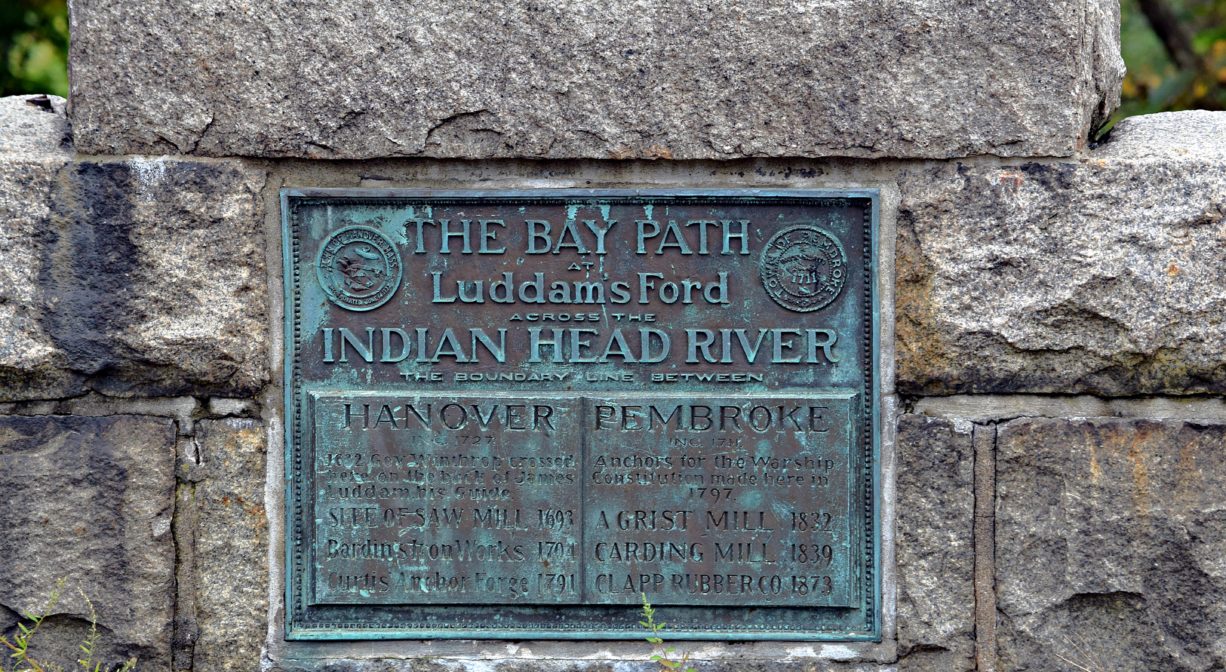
point(803, 268)
point(359, 268)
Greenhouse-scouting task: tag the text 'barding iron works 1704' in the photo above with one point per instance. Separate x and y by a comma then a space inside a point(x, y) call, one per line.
point(515, 414)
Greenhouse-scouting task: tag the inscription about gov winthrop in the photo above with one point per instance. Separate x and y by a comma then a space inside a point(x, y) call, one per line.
point(516, 415)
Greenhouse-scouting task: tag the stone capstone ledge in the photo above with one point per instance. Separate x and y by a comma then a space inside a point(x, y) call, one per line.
point(89, 501)
point(1104, 275)
point(593, 80)
point(126, 276)
point(1111, 527)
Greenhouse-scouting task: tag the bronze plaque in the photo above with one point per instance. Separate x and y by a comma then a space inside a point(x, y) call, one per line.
point(517, 414)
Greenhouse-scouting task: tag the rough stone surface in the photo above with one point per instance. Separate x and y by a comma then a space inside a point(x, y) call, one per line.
point(1110, 545)
point(31, 158)
point(231, 548)
point(34, 125)
point(935, 551)
point(139, 276)
point(582, 79)
point(1193, 134)
point(1105, 275)
point(90, 500)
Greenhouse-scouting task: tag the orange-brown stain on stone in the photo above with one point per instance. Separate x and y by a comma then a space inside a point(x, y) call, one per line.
point(1096, 470)
point(244, 440)
point(920, 347)
point(1172, 270)
point(658, 152)
point(1140, 473)
point(1010, 179)
point(651, 153)
point(251, 436)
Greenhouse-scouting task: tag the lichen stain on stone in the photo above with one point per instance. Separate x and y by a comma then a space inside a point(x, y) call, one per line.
point(249, 436)
point(1167, 370)
point(148, 174)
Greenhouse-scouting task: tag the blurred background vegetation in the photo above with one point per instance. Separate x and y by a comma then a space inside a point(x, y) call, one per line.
point(1175, 51)
point(1176, 55)
point(33, 47)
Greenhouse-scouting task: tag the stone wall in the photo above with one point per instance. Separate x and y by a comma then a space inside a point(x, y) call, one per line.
point(1055, 357)
point(585, 80)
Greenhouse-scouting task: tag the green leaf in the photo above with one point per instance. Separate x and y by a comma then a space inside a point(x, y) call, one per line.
point(1205, 39)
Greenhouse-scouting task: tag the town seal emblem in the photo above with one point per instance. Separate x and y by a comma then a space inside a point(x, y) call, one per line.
point(803, 268)
point(359, 268)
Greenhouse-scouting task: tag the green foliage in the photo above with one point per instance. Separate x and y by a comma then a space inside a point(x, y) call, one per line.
point(33, 47)
point(665, 656)
point(1177, 66)
point(19, 646)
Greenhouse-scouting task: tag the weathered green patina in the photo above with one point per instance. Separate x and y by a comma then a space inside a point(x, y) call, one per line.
point(511, 414)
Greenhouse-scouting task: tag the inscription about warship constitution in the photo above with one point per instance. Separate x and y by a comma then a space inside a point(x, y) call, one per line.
point(519, 414)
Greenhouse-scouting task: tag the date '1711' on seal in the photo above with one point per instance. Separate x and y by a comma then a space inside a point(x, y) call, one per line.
point(803, 268)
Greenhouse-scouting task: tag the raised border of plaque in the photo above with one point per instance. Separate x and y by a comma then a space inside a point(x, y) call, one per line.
point(847, 607)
